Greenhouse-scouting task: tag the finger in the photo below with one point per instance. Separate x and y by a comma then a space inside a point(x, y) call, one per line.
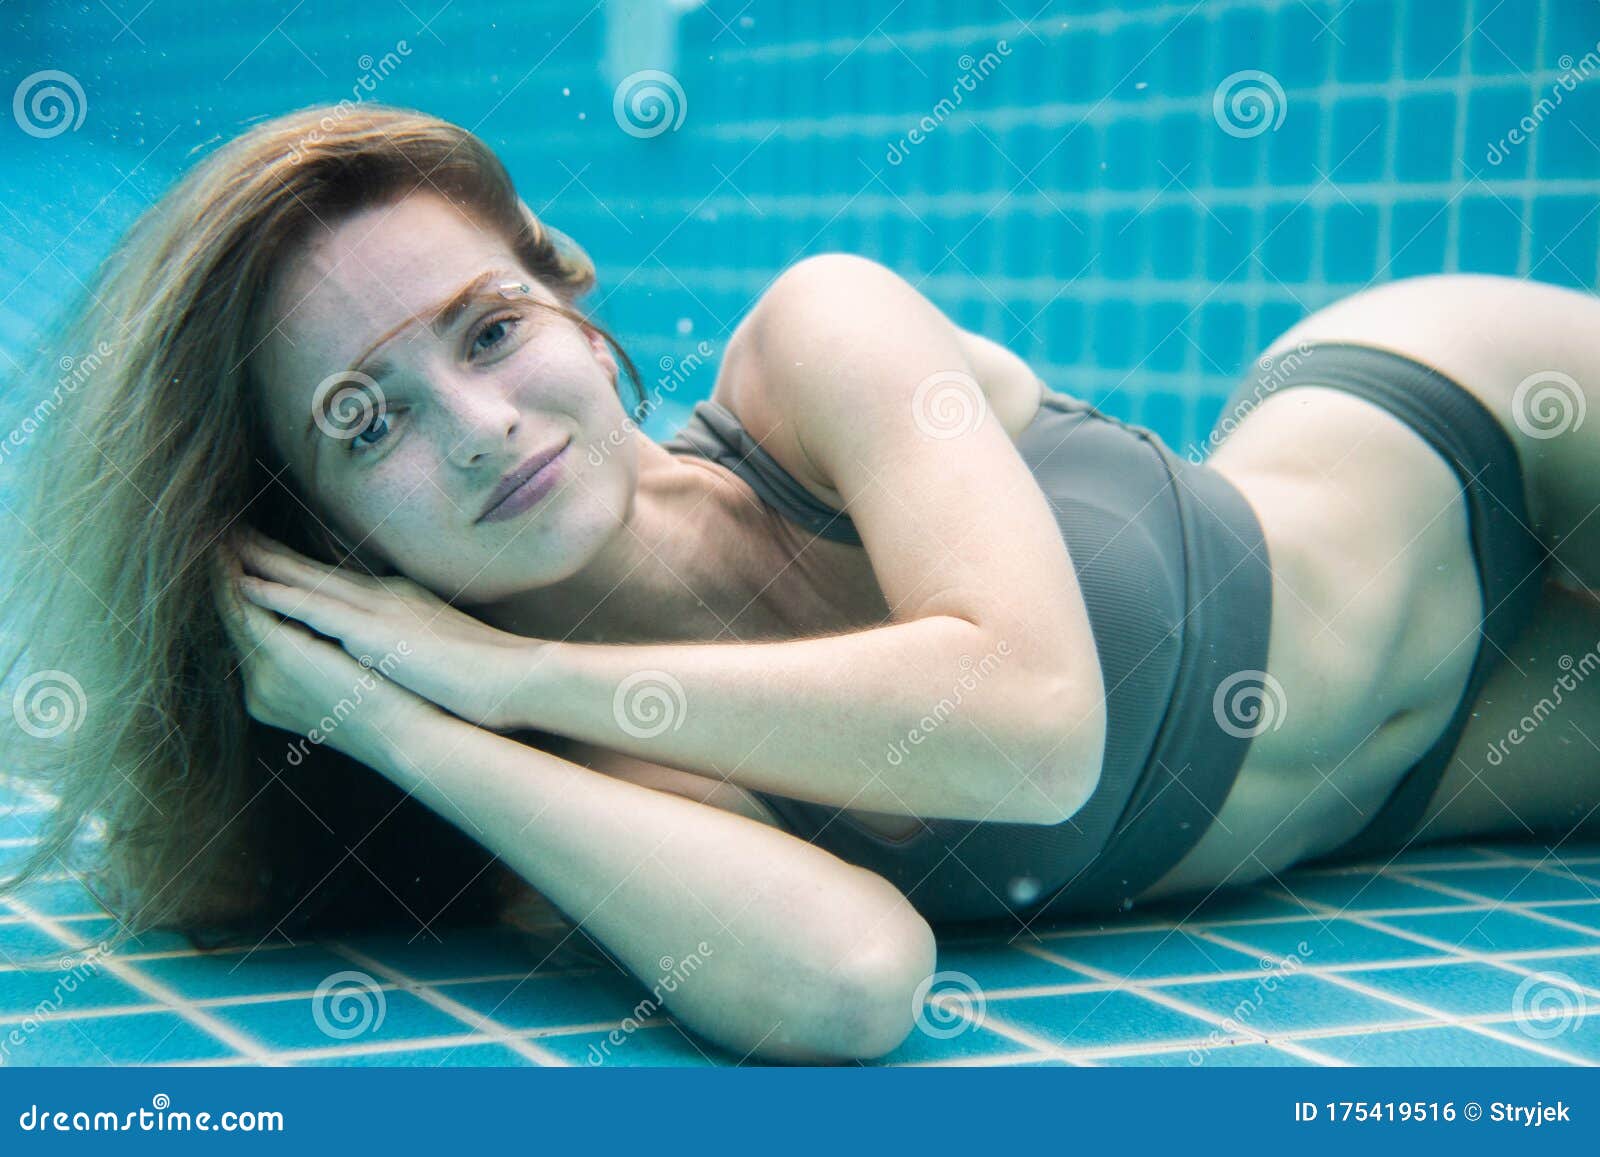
point(326, 614)
point(280, 564)
point(254, 535)
point(225, 571)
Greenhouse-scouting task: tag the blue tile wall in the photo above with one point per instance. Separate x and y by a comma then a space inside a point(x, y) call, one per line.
point(1083, 203)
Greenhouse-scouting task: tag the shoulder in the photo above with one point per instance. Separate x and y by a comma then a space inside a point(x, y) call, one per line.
point(816, 351)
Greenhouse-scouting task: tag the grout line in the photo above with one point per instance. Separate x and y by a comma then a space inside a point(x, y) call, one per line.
point(468, 1016)
point(1194, 1011)
point(171, 1000)
point(1440, 1017)
point(1017, 992)
point(1514, 907)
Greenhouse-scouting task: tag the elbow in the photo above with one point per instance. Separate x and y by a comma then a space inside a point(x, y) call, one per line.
point(1061, 764)
point(881, 989)
point(868, 1004)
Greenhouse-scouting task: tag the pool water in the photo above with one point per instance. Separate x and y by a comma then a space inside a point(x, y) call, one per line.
point(1097, 201)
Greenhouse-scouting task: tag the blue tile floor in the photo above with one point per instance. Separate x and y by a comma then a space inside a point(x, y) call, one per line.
point(1464, 955)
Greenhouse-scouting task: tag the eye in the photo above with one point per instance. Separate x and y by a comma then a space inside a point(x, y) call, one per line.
point(374, 432)
point(496, 330)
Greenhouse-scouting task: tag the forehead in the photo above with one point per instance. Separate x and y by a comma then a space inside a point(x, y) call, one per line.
point(348, 284)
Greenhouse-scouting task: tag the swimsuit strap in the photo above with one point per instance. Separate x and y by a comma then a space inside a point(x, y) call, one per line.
point(713, 432)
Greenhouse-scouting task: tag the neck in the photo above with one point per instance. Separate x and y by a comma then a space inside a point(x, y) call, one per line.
point(690, 561)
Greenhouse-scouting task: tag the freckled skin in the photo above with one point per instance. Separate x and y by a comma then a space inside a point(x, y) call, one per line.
point(461, 409)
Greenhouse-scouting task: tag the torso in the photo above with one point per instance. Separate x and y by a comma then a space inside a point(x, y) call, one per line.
point(1348, 643)
point(1358, 608)
point(1375, 602)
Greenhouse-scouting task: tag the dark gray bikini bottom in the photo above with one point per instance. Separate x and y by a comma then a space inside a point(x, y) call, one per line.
point(1510, 558)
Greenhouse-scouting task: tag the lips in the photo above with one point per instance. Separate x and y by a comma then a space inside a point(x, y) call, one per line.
point(515, 478)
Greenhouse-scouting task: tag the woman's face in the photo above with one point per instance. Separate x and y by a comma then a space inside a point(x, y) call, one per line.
point(401, 428)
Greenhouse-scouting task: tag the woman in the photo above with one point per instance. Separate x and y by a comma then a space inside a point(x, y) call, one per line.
point(355, 492)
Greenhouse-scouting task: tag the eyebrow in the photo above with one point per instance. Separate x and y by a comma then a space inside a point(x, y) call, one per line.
point(440, 319)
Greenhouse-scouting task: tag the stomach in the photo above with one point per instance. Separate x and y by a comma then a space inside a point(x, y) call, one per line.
point(1373, 629)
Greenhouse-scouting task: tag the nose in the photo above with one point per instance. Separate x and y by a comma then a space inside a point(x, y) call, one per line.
point(483, 423)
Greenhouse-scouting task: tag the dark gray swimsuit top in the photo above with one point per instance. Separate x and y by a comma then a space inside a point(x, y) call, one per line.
point(1176, 579)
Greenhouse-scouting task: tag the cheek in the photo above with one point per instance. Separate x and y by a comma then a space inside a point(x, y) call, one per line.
point(392, 506)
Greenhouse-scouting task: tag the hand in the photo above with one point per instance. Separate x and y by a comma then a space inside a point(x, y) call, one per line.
point(298, 682)
point(414, 637)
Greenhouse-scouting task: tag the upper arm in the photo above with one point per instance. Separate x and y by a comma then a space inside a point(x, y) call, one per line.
point(877, 388)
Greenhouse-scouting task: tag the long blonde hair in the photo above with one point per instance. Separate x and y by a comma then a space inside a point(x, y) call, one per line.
point(139, 461)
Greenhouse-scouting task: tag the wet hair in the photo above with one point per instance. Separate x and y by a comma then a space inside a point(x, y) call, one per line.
point(130, 719)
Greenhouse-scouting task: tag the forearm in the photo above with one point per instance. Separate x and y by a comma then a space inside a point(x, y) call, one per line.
point(931, 717)
point(777, 946)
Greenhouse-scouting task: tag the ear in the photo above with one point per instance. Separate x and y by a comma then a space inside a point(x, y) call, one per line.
point(602, 353)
